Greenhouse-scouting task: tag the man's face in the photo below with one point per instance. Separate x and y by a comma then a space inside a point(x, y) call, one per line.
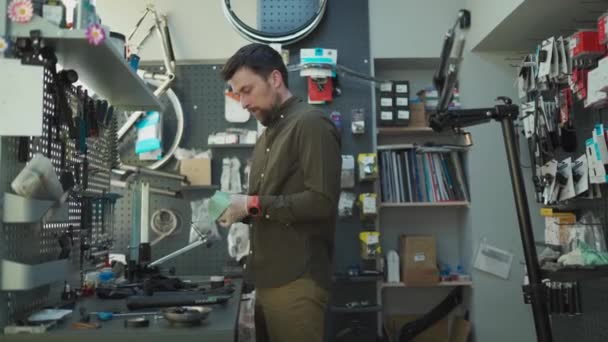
point(258, 95)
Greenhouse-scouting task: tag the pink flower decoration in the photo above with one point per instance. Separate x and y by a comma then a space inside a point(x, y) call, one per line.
point(95, 34)
point(20, 11)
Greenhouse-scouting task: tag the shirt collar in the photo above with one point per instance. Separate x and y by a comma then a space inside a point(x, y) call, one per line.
point(285, 108)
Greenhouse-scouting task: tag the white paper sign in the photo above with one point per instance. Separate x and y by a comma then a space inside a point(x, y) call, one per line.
point(21, 98)
point(493, 260)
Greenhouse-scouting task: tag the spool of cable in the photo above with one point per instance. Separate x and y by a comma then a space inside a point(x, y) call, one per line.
point(164, 222)
point(138, 322)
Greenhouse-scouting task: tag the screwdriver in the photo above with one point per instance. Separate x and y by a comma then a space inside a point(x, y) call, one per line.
point(106, 316)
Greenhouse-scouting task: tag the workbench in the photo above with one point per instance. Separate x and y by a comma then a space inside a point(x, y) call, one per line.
point(220, 326)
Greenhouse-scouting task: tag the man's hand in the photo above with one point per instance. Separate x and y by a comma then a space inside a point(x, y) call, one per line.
point(237, 211)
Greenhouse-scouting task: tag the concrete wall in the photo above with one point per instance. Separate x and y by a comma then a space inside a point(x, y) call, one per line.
point(498, 314)
point(486, 16)
point(199, 29)
point(412, 28)
point(497, 308)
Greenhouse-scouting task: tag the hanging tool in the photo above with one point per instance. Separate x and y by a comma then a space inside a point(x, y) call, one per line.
point(23, 149)
point(64, 246)
point(66, 178)
point(92, 116)
point(106, 315)
point(138, 322)
point(175, 299)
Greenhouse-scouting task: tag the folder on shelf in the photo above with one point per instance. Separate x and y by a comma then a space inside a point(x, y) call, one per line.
point(408, 174)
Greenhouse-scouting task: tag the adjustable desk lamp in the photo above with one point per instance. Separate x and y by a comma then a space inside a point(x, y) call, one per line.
point(445, 80)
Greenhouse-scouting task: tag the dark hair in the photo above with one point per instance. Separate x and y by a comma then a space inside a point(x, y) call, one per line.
point(260, 58)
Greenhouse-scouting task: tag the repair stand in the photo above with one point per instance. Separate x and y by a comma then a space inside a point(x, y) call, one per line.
point(505, 114)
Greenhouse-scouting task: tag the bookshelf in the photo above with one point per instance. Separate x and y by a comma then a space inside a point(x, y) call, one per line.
point(445, 204)
point(425, 171)
point(398, 131)
point(440, 284)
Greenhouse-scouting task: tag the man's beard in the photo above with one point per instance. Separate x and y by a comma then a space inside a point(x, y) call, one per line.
point(267, 116)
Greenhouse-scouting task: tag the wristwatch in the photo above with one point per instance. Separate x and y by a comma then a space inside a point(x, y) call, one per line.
point(253, 206)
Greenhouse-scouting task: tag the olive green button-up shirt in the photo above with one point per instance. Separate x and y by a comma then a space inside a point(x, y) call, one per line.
point(296, 174)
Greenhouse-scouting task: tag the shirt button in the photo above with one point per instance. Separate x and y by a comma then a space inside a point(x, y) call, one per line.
point(268, 150)
point(267, 216)
point(250, 252)
point(262, 175)
point(282, 116)
point(245, 266)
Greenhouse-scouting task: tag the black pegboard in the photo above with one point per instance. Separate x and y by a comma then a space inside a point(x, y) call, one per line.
point(37, 243)
point(200, 90)
point(343, 18)
point(285, 15)
point(591, 325)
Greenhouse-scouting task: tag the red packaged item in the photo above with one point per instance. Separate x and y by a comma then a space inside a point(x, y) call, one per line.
point(585, 44)
point(565, 101)
point(602, 29)
point(320, 90)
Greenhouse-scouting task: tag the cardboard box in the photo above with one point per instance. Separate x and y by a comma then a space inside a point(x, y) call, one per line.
point(198, 171)
point(418, 115)
point(420, 276)
point(419, 251)
point(438, 332)
point(419, 260)
point(461, 329)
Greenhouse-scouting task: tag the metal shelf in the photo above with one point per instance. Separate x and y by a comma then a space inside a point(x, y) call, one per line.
point(407, 130)
point(463, 204)
point(364, 309)
point(101, 68)
point(19, 210)
point(199, 187)
point(440, 284)
point(231, 145)
point(20, 277)
point(358, 279)
point(570, 274)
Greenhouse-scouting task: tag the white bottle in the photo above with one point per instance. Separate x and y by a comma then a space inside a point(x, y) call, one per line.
point(392, 262)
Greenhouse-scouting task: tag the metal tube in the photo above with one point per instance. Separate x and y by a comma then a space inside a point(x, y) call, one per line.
point(160, 24)
point(163, 192)
point(144, 236)
point(150, 172)
point(153, 190)
point(539, 309)
point(129, 123)
point(4, 23)
point(178, 252)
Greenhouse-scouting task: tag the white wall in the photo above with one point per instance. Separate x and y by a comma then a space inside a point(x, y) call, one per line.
point(498, 311)
point(486, 15)
point(199, 29)
point(410, 28)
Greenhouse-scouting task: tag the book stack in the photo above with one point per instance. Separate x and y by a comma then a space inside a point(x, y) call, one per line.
point(418, 175)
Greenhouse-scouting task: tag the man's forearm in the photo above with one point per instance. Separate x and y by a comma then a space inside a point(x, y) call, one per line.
point(304, 206)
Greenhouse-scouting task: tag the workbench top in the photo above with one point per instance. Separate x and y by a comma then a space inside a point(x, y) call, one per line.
point(220, 326)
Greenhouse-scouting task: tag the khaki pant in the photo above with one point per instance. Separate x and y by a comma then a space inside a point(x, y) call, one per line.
point(291, 313)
